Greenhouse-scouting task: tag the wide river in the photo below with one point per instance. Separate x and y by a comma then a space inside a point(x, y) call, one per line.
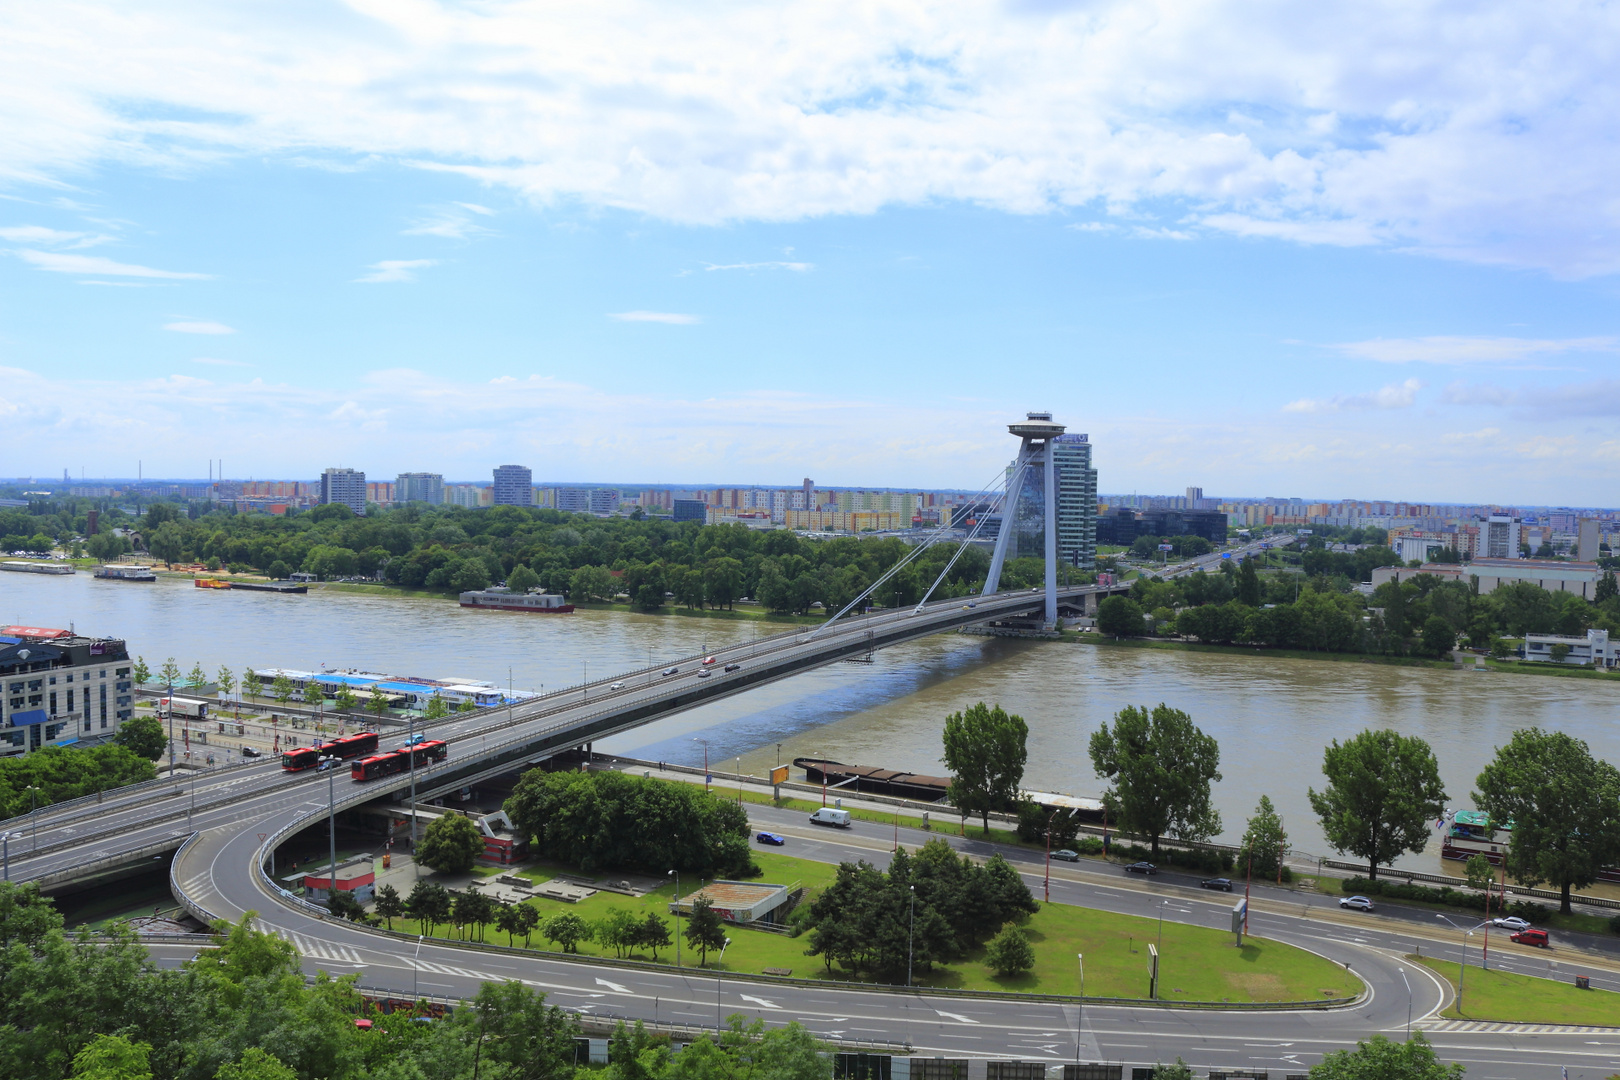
point(1271, 716)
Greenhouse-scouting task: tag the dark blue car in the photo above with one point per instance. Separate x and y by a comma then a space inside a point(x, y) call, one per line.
point(774, 839)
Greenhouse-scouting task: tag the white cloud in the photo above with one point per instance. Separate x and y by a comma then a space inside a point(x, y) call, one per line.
point(216, 362)
point(1471, 350)
point(198, 327)
point(39, 234)
point(654, 316)
point(96, 264)
point(1490, 134)
point(1393, 396)
point(390, 270)
point(798, 267)
point(450, 224)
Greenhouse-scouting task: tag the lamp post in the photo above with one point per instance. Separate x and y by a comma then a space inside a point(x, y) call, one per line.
point(329, 763)
point(718, 1023)
point(1462, 956)
point(33, 791)
point(410, 749)
point(5, 852)
point(911, 925)
point(415, 966)
point(705, 743)
point(170, 707)
point(1079, 1005)
point(677, 875)
point(739, 779)
point(1049, 822)
point(1162, 904)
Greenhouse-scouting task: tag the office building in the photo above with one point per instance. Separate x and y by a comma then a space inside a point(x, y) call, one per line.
point(1076, 501)
point(423, 487)
point(1587, 540)
point(514, 486)
point(574, 500)
point(58, 688)
point(690, 509)
point(1500, 537)
point(1195, 498)
point(604, 500)
point(346, 486)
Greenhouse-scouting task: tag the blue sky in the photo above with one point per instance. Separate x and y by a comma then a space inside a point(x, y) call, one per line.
point(1244, 248)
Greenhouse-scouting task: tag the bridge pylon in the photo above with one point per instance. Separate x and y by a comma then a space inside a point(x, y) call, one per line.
point(1037, 436)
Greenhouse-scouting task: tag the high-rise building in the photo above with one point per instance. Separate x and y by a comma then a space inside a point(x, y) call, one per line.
point(604, 500)
point(514, 486)
point(427, 487)
point(1499, 537)
point(689, 509)
point(1195, 498)
point(1587, 540)
point(574, 500)
point(1076, 501)
point(346, 486)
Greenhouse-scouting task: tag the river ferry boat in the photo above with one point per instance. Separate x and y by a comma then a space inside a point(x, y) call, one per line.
point(1470, 833)
point(501, 598)
point(125, 573)
point(17, 566)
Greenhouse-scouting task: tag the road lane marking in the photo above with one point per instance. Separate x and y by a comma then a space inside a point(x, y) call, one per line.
point(956, 1016)
point(615, 987)
point(759, 1001)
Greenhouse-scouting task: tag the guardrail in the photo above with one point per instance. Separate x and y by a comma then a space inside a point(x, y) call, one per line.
point(1409, 876)
point(196, 910)
point(79, 870)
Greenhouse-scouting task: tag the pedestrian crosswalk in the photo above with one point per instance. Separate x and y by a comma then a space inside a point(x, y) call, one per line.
point(195, 883)
point(445, 969)
point(1489, 1027)
point(323, 950)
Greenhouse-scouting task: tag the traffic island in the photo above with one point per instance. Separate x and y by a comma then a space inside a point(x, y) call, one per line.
point(1504, 997)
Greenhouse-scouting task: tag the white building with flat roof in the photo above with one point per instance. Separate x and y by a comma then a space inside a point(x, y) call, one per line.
point(1595, 647)
point(1487, 574)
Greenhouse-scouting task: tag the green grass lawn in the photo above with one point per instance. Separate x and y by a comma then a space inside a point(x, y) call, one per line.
point(1196, 964)
point(1509, 998)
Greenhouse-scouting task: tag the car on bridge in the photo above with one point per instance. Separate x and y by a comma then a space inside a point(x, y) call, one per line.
point(1356, 903)
point(1141, 868)
point(773, 839)
point(671, 671)
point(617, 686)
point(707, 660)
point(733, 667)
point(704, 673)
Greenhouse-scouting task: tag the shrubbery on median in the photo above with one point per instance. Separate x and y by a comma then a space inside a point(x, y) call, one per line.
point(1459, 898)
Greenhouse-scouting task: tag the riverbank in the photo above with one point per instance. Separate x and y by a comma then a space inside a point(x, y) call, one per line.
point(1503, 666)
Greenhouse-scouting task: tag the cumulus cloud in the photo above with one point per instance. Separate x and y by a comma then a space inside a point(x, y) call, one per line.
point(654, 316)
point(1393, 396)
point(1471, 350)
point(63, 263)
point(187, 326)
point(1333, 124)
point(392, 270)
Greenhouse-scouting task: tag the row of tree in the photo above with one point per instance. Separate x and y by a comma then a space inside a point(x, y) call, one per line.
point(609, 820)
point(58, 773)
point(927, 908)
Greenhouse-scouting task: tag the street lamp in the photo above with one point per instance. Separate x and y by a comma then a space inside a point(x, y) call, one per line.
point(911, 925)
point(677, 875)
point(1079, 1005)
point(1462, 956)
point(718, 1024)
point(705, 743)
point(328, 762)
point(5, 852)
point(1162, 904)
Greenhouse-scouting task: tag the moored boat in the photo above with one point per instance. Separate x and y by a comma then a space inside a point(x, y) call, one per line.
point(125, 573)
point(500, 598)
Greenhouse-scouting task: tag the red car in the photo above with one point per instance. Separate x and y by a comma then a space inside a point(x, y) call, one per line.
point(707, 660)
point(1537, 938)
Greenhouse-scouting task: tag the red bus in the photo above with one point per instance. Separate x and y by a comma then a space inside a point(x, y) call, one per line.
point(399, 761)
point(353, 746)
point(306, 757)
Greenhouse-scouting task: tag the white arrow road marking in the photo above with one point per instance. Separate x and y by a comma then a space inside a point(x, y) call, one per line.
point(956, 1016)
point(613, 986)
point(759, 1001)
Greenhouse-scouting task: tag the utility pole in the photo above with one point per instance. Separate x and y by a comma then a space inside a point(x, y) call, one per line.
point(329, 763)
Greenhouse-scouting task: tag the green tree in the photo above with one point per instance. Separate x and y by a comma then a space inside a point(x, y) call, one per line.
point(522, 579)
point(509, 921)
point(345, 701)
point(1606, 588)
point(314, 696)
point(252, 685)
point(197, 678)
point(1378, 1058)
point(567, 930)
point(143, 735)
point(1010, 953)
point(1479, 872)
point(450, 844)
point(388, 905)
point(528, 919)
point(113, 1057)
point(704, 930)
point(142, 673)
point(1563, 805)
point(1119, 616)
point(437, 708)
point(653, 934)
point(1162, 766)
point(283, 689)
point(167, 543)
point(1383, 790)
point(255, 1064)
point(1248, 585)
point(225, 680)
point(169, 674)
point(376, 704)
point(649, 597)
point(106, 546)
point(723, 581)
point(428, 903)
point(618, 929)
point(1559, 652)
point(1180, 1070)
point(1438, 637)
point(345, 905)
point(591, 583)
point(985, 749)
point(1264, 841)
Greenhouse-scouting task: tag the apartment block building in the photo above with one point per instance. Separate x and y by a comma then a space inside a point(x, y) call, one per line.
point(58, 688)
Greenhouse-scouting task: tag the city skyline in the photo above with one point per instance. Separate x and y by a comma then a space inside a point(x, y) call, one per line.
point(1277, 269)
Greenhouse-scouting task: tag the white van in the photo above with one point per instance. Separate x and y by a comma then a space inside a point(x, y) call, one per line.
point(828, 816)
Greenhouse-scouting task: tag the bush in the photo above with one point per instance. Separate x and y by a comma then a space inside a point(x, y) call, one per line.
point(1466, 899)
point(1205, 862)
point(1010, 953)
